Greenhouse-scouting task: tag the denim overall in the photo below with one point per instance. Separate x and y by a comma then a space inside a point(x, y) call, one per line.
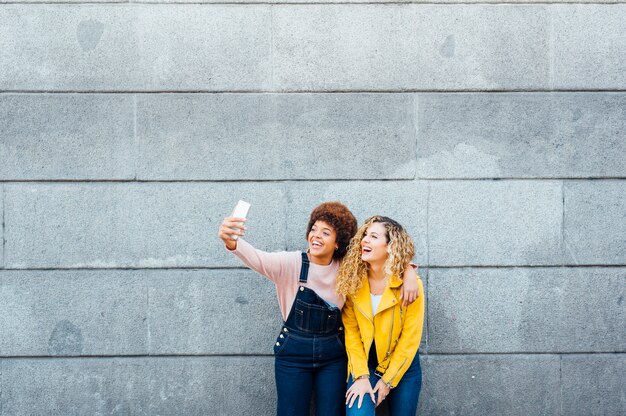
point(310, 355)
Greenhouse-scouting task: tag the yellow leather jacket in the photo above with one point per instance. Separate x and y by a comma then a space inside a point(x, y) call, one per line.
point(396, 329)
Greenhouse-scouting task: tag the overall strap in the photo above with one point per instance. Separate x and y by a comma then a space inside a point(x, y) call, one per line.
point(304, 270)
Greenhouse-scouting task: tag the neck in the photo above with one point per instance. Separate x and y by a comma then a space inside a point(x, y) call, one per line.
point(376, 271)
point(321, 260)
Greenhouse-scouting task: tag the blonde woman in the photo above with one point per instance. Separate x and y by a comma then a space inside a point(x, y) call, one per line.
point(382, 335)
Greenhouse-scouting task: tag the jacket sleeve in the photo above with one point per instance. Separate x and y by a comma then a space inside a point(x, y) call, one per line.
point(409, 341)
point(354, 345)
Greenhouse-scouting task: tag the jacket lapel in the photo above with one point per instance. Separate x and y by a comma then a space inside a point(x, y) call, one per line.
point(363, 302)
point(389, 299)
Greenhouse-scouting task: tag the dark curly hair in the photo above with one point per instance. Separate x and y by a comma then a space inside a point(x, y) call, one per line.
point(340, 218)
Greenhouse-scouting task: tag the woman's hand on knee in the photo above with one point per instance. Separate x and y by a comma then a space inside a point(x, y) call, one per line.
point(383, 391)
point(359, 389)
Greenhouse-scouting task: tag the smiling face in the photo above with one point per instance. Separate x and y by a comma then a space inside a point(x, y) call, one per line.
point(322, 241)
point(374, 244)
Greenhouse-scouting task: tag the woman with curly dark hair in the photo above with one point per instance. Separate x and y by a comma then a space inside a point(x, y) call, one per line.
point(309, 351)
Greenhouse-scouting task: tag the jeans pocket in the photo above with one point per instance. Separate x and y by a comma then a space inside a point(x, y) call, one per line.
point(315, 319)
point(301, 321)
point(281, 343)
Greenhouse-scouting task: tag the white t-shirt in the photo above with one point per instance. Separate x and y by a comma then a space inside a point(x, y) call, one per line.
point(375, 302)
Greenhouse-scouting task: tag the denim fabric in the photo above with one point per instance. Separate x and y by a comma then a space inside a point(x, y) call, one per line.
point(313, 317)
point(402, 400)
point(310, 356)
point(307, 364)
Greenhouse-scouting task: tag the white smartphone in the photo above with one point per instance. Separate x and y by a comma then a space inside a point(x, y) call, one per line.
point(240, 211)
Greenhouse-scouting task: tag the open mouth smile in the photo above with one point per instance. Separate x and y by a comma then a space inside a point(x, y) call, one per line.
point(316, 244)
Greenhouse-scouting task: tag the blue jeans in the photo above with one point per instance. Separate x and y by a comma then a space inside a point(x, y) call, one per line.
point(305, 364)
point(402, 400)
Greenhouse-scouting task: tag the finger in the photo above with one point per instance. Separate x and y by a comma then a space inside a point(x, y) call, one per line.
point(349, 394)
point(228, 231)
point(360, 401)
point(235, 219)
point(353, 398)
point(228, 235)
point(373, 397)
point(232, 225)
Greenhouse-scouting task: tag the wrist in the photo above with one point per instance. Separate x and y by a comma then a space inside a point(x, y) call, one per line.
point(387, 383)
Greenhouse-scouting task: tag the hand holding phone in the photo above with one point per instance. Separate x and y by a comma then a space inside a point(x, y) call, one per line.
point(240, 211)
point(232, 227)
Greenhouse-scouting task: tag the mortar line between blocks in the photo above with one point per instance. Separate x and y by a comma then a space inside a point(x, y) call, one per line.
point(324, 3)
point(285, 208)
point(2, 265)
point(272, 82)
point(427, 265)
point(561, 385)
point(224, 268)
point(148, 319)
point(427, 294)
point(135, 145)
point(551, 60)
point(271, 356)
point(1, 384)
point(563, 251)
point(399, 90)
point(416, 129)
point(285, 180)
point(428, 191)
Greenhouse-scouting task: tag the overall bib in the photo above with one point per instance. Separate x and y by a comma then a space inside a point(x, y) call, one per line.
point(310, 355)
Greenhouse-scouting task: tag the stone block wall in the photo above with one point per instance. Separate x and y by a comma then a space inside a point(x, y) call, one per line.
point(496, 132)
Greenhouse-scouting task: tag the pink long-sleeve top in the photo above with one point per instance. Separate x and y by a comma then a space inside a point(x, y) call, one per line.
point(283, 268)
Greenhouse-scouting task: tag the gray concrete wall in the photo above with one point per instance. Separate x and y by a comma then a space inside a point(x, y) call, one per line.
point(495, 132)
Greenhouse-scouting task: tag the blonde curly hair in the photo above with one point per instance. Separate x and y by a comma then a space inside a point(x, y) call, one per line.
point(354, 270)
